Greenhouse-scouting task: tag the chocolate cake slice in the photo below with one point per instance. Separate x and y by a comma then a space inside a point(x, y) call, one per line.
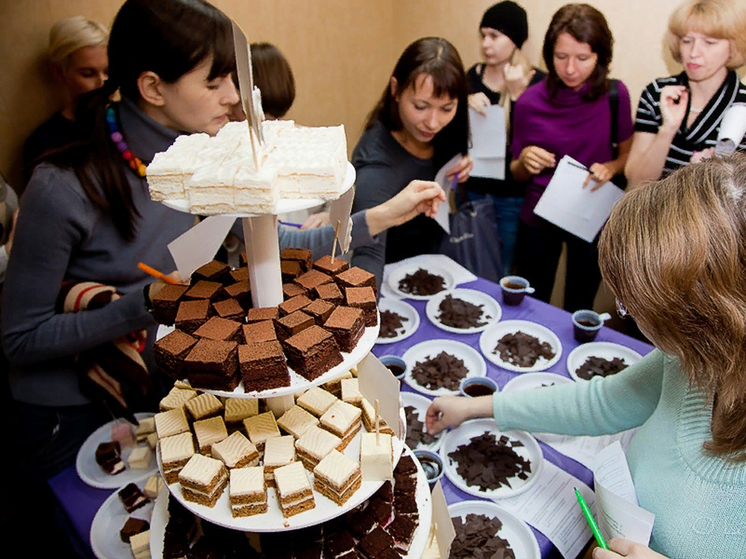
point(329, 292)
point(325, 264)
point(166, 303)
point(372, 545)
point(264, 313)
point(292, 324)
point(290, 269)
point(229, 309)
point(132, 498)
point(239, 274)
point(302, 255)
point(204, 289)
point(312, 352)
point(109, 457)
point(347, 326)
point(132, 527)
point(212, 271)
point(356, 277)
point(169, 352)
point(312, 279)
point(219, 329)
point(263, 331)
point(320, 310)
point(365, 299)
point(241, 292)
point(213, 364)
point(263, 366)
point(290, 290)
point(294, 304)
point(192, 314)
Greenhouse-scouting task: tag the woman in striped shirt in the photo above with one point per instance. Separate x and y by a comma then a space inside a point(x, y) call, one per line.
point(678, 117)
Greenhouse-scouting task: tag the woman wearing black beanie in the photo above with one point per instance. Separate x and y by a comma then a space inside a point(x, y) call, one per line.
point(501, 79)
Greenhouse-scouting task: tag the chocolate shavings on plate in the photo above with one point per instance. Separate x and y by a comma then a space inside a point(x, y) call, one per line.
point(422, 283)
point(476, 537)
point(391, 323)
point(489, 462)
point(600, 367)
point(442, 371)
point(522, 350)
point(458, 313)
point(417, 435)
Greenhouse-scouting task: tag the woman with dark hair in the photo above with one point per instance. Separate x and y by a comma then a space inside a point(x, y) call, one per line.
point(570, 113)
point(673, 253)
point(274, 78)
point(418, 125)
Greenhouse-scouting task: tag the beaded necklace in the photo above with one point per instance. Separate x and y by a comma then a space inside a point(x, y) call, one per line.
point(116, 136)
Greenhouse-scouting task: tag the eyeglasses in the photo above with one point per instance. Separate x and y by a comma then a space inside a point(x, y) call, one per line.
point(621, 310)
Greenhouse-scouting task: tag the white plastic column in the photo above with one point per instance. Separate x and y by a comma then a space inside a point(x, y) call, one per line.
point(263, 256)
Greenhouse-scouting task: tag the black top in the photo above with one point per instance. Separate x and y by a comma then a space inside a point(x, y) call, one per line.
point(384, 168)
point(507, 188)
point(51, 134)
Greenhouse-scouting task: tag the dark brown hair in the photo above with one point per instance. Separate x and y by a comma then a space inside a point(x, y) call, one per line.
point(439, 59)
point(674, 252)
point(274, 78)
point(586, 25)
point(168, 37)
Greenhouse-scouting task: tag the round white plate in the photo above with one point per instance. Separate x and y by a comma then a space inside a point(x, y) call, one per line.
point(404, 309)
point(521, 538)
point(420, 404)
point(158, 523)
point(530, 381)
point(107, 523)
point(92, 474)
point(491, 311)
point(297, 382)
point(407, 269)
point(425, 350)
point(606, 350)
point(272, 520)
point(489, 338)
point(283, 205)
point(463, 434)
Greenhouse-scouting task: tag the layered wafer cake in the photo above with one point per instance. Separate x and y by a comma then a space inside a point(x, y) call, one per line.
point(260, 428)
point(377, 456)
point(278, 452)
point(208, 432)
point(176, 398)
point(175, 453)
point(203, 406)
point(337, 477)
point(262, 366)
point(294, 491)
point(236, 451)
point(238, 409)
point(369, 419)
point(140, 458)
point(315, 444)
point(169, 352)
point(351, 392)
point(145, 428)
point(171, 422)
point(140, 545)
point(347, 325)
point(335, 386)
point(342, 420)
point(203, 480)
point(296, 421)
point(247, 492)
point(316, 400)
point(312, 352)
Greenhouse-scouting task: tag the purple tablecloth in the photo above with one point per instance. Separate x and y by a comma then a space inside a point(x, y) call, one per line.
point(555, 319)
point(80, 501)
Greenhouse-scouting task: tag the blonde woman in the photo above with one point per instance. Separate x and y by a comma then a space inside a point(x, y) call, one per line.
point(500, 80)
point(78, 62)
point(674, 255)
point(678, 117)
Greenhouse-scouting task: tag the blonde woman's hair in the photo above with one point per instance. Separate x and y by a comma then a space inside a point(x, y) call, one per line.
point(517, 59)
point(720, 19)
point(674, 253)
point(73, 33)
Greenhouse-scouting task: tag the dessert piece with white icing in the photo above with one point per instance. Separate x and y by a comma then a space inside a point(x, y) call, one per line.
point(376, 457)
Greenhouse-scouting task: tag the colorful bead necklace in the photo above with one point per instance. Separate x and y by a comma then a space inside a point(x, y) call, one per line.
point(116, 136)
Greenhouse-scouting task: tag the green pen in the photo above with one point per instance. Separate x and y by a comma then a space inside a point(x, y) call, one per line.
point(591, 521)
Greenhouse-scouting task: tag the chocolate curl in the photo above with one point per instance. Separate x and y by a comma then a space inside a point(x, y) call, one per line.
point(336, 235)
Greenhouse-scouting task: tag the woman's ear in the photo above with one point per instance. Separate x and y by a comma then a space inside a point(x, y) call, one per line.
point(394, 86)
point(150, 86)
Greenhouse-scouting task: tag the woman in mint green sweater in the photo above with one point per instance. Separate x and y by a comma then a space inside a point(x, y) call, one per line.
point(674, 253)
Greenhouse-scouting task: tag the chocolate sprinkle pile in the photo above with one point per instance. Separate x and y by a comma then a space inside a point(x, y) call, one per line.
point(522, 350)
point(600, 367)
point(422, 282)
point(489, 462)
point(442, 371)
point(477, 538)
point(457, 313)
point(416, 433)
point(391, 323)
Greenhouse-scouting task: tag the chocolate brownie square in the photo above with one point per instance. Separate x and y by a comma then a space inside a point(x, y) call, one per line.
point(204, 289)
point(290, 269)
point(356, 277)
point(263, 331)
point(338, 543)
point(241, 292)
point(290, 290)
point(132, 498)
point(294, 304)
point(359, 523)
point(132, 527)
point(312, 352)
point(363, 298)
point(347, 326)
point(239, 274)
point(218, 328)
point(320, 310)
point(213, 364)
point(329, 292)
point(402, 530)
point(263, 313)
point(263, 366)
point(169, 352)
point(405, 467)
point(230, 309)
point(212, 271)
point(375, 543)
point(325, 264)
point(302, 255)
point(166, 303)
point(405, 504)
point(312, 279)
point(292, 324)
point(380, 511)
point(192, 314)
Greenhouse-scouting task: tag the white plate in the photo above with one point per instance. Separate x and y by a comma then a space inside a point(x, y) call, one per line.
point(404, 309)
point(463, 434)
point(491, 311)
point(92, 474)
point(406, 269)
point(531, 381)
point(297, 382)
point(420, 404)
point(489, 338)
point(283, 205)
point(521, 538)
point(107, 523)
point(272, 520)
point(424, 350)
point(606, 350)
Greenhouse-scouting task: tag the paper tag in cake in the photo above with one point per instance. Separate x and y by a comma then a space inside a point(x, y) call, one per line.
point(199, 245)
point(340, 212)
point(376, 382)
point(444, 530)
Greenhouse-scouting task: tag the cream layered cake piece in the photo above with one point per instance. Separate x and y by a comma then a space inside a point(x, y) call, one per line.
point(236, 451)
point(203, 406)
point(294, 491)
point(140, 458)
point(176, 398)
point(208, 432)
point(260, 428)
point(316, 400)
point(337, 477)
point(342, 420)
point(369, 419)
point(146, 427)
point(175, 453)
point(278, 452)
point(153, 487)
point(351, 392)
point(247, 491)
point(315, 444)
point(140, 545)
point(296, 421)
point(210, 189)
point(255, 191)
point(171, 169)
point(203, 480)
point(171, 422)
point(377, 456)
point(238, 409)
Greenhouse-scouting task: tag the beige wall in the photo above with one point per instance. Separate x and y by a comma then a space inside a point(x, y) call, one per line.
point(342, 51)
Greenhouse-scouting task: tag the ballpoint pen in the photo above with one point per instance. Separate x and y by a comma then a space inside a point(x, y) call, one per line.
point(591, 521)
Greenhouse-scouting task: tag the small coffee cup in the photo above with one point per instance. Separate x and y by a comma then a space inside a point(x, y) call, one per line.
point(514, 289)
point(586, 325)
point(431, 463)
point(396, 365)
point(478, 386)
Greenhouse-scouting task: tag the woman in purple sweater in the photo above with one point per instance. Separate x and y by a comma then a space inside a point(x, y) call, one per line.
point(568, 113)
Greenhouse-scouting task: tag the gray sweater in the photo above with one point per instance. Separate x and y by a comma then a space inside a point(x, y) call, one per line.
point(62, 236)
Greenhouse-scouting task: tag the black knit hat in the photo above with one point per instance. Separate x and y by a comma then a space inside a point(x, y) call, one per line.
point(509, 19)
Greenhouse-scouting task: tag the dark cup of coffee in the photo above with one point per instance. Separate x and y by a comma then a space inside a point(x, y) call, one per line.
point(514, 289)
point(431, 464)
point(478, 386)
point(586, 325)
point(395, 364)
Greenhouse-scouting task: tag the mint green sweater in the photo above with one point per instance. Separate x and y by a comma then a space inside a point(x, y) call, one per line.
point(699, 500)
